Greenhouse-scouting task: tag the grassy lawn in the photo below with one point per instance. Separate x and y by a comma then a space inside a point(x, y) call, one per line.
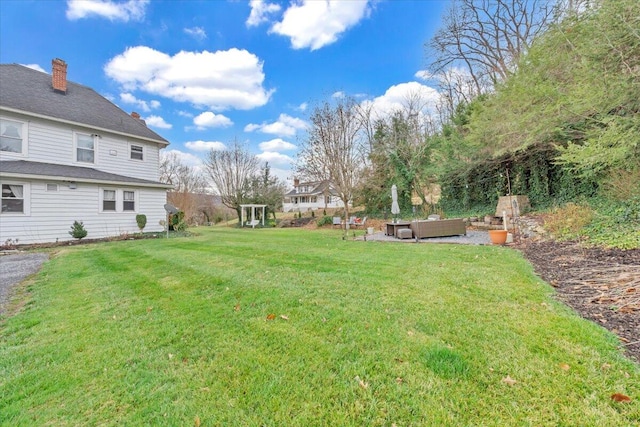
point(277, 327)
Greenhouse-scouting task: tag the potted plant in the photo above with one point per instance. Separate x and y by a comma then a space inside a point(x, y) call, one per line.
point(498, 237)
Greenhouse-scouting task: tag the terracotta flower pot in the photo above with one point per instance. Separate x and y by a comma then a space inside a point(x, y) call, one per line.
point(498, 237)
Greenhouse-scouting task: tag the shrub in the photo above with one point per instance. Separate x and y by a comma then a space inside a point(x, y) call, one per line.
point(141, 220)
point(77, 230)
point(325, 220)
point(177, 222)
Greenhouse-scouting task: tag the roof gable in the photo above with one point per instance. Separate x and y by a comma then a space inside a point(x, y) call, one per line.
point(31, 91)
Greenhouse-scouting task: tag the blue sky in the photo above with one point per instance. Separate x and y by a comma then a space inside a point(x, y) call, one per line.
point(204, 73)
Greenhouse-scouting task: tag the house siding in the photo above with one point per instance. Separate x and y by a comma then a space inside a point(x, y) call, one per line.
point(309, 206)
point(81, 204)
point(50, 142)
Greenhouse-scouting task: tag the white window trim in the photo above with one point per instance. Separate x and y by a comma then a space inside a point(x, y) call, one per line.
point(75, 148)
point(131, 145)
point(101, 200)
point(25, 138)
point(119, 200)
point(26, 197)
point(135, 200)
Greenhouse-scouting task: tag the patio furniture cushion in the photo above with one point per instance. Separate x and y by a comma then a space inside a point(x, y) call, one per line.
point(404, 233)
point(438, 228)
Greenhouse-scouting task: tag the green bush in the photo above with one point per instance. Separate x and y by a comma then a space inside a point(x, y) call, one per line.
point(177, 222)
point(78, 231)
point(141, 220)
point(325, 220)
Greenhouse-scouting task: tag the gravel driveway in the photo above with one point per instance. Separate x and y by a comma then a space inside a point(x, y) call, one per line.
point(13, 270)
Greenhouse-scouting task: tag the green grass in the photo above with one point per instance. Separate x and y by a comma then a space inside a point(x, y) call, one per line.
point(167, 332)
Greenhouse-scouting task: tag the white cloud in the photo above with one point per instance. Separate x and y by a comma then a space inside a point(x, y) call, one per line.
point(260, 11)
point(133, 10)
point(396, 98)
point(277, 145)
point(284, 126)
point(314, 24)
point(338, 95)
point(275, 159)
point(211, 120)
point(197, 33)
point(35, 67)
point(185, 114)
point(205, 145)
point(303, 107)
point(158, 122)
point(423, 75)
point(142, 105)
point(187, 159)
point(220, 80)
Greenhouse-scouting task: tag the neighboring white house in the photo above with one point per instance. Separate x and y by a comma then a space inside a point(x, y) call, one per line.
point(307, 196)
point(66, 154)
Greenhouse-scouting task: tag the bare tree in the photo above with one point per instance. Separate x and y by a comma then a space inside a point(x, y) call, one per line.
point(231, 171)
point(335, 148)
point(487, 37)
point(188, 182)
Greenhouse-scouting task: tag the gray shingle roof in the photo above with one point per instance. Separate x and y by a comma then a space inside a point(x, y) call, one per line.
point(24, 89)
point(70, 173)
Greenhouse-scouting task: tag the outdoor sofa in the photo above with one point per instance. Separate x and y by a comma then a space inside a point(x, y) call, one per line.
point(439, 228)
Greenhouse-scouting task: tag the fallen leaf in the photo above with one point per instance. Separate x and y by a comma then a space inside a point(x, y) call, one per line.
point(236, 307)
point(149, 309)
point(619, 397)
point(399, 380)
point(196, 421)
point(564, 367)
point(410, 333)
point(282, 316)
point(630, 290)
point(170, 356)
point(397, 359)
point(508, 380)
point(605, 366)
point(361, 383)
point(271, 316)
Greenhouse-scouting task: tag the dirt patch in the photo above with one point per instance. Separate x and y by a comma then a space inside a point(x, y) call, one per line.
point(602, 285)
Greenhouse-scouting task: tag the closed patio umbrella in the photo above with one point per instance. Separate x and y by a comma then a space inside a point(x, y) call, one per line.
point(395, 209)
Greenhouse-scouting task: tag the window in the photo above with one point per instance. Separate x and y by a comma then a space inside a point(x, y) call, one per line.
point(13, 198)
point(109, 200)
point(128, 201)
point(85, 148)
point(11, 136)
point(52, 187)
point(136, 152)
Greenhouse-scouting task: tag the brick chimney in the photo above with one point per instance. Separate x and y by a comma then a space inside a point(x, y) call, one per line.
point(59, 75)
point(296, 184)
point(136, 116)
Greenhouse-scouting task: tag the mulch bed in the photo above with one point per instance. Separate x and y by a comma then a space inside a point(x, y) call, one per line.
point(602, 285)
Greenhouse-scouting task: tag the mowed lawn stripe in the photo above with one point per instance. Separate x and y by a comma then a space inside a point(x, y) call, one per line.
point(159, 332)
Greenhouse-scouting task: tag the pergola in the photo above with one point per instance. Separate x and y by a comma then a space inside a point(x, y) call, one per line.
point(253, 221)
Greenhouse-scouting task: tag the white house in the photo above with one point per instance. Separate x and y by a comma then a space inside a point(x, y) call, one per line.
point(67, 154)
point(307, 196)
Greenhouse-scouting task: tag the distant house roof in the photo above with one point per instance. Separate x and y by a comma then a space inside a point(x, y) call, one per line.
point(315, 188)
point(28, 91)
point(26, 169)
